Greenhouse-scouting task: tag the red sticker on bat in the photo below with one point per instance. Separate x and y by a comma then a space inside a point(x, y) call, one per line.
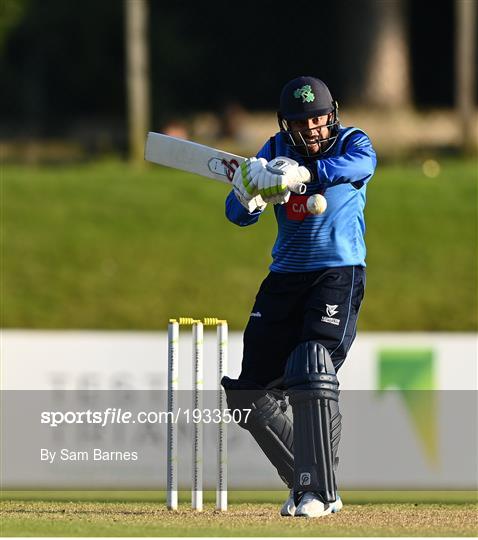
point(231, 167)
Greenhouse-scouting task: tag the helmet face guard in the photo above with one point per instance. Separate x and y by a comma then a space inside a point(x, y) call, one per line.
point(303, 98)
point(301, 140)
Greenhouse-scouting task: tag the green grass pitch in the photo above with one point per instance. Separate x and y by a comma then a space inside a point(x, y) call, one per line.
point(250, 514)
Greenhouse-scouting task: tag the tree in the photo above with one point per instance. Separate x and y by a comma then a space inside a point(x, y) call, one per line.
point(465, 65)
point(388, 79)
point(137, 75)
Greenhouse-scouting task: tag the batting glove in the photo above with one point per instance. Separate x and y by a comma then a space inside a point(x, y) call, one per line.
point(244, 183)
point(281, 176)
point(273, 188)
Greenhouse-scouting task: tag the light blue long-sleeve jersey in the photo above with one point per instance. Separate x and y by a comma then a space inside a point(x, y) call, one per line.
point(307, 242)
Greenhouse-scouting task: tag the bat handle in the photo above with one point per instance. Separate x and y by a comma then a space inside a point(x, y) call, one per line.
point(298, 187)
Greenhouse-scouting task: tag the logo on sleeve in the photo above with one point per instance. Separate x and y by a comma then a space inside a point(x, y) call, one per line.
point(331, 311)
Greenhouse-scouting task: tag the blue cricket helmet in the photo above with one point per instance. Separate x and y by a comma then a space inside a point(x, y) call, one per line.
point(305, 97)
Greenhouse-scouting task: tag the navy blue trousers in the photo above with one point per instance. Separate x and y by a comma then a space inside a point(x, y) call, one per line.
point(291, 308)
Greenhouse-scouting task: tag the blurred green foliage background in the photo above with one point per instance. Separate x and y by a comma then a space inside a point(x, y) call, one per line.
point(105, 245)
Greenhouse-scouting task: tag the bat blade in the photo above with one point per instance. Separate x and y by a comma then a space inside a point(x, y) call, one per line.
point(191, 157)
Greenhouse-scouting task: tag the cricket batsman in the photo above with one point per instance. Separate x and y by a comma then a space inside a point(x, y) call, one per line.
point(305, 314)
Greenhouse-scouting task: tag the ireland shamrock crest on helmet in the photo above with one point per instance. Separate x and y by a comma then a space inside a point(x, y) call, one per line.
point(305, 92)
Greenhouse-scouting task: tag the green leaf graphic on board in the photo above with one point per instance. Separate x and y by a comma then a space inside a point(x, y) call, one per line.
point(411, 372)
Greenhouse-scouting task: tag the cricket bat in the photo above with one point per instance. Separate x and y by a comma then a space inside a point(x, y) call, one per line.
point(196, 158)
point(191, 157)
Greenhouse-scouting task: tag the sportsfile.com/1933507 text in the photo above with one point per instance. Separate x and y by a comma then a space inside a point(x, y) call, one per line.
point(111, 416)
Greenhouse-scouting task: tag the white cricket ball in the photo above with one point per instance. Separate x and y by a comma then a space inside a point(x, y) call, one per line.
point(316, 204)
